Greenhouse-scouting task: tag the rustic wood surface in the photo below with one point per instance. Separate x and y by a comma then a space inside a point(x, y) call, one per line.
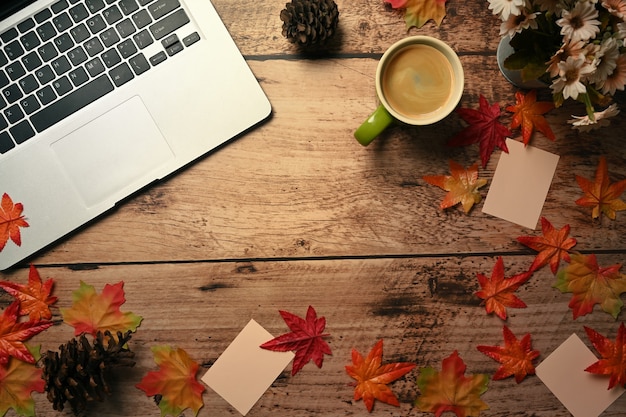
point(297, 213)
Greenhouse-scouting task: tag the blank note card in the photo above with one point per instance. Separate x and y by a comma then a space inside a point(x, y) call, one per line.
point(520, 184)
point(244, 371)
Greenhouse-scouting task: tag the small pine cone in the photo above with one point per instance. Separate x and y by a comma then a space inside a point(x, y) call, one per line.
point(309, 22)
point(77, 374)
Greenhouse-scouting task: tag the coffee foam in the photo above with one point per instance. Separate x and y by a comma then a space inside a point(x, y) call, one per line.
point(418, 81)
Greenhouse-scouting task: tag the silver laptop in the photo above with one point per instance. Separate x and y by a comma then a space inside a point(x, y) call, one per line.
point(100, 98)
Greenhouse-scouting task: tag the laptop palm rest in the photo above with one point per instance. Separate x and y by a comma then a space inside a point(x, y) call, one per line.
point(113, 152)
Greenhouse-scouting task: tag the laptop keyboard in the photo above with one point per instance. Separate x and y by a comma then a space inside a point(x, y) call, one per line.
point(76, 51)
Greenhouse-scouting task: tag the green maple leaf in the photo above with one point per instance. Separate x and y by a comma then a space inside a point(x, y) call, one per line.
point(451, 390)
point(92, 312)
point(175, 381)
point(18, 380)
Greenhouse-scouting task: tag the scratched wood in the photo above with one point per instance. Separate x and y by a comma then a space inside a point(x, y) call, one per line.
point(423, 309)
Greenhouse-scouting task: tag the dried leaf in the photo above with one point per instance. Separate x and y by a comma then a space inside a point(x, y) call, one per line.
point(13, 334)
point(451, 390)
point(418, 12)
point(613, 362)
point(600, 194)
point(516, 356)
point(18, 380)
point(528, 113)
point(591, 285)
point(497, 292)
point(484, 128)
point(11, 219)
point(372, 377)
point(462, 186)
point(175, 381)
point(35, 298)
point(91, 312)
point(553, 246)
point(305, 338)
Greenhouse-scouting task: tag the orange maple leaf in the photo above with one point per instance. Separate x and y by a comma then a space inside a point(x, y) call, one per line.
point(92, 312)
point(462, 186)
point(372, 377)
point(35, 298)
point(553, 246)
point(13, 334)
point(18, 380)
point(590, 285)
point(175, 381)
point(600, 194)
point(11, 219)
point(528, 113)
point(497, 292)
point(451, 390)
point(418, 12)
point(516, 356)
point(613, 355)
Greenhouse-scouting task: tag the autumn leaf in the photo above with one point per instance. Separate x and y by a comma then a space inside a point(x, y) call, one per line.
point(484, 128)
point(613, 362)
point(13, 334)
point(305, 338)
point(175, 381)
point(451, 390)
point(528, 113)
point(516, 356)
point(600, 194)
point(462, 186)
point(372, 377)
point(92, 312)
point(497, 292)
point(35, 298)
point(11, 219)
point(18, 380)
point(590, 285)
point(553, 246)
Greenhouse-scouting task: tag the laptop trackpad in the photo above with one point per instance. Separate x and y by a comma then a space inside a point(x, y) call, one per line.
point(117, 150)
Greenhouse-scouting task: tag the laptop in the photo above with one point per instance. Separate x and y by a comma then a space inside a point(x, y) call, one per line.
point(100, 98)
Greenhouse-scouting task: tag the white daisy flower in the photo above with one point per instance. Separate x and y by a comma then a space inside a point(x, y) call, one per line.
point(580, 23)
point(615, 7)
point(516, 24)
point(571, 72)
point(606, 60)
point(600, 119)
point(505, 8)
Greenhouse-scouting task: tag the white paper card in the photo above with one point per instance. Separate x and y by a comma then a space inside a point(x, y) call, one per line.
point(520, 184)
point(244, 371)
point(582, 393)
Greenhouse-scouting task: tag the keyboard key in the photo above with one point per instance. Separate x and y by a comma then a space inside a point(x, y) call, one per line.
point(47, 51)
point(46, 95)
point(4, 80)
point(62, 22)
point(26, 25)
point(14, 50)
point(169, 24)
point(9, 35)
point(174, 48)
point(71, 103)
point(110, 58)
point(61, 65)
point(22, 132)
point(143, 39)
point(96, 24)
point(31, 61)
point(80, 33)
point(12, 93)
point(139, 64)
point(125, 28)
point(112, 15)
point(160, 8)
point(121, 74)
point(6, 144)
point(109, 37)
point(30, 104)
point(158, 58)
point(30, 40)
point(14, 114)
point(62, 86)
point(144, 2)
point(44, 75)
point(94, 67)
point(170, 40)
point(63, 42)
point(191, 39)
point(15, 70)
point(93, 46)
point(28, 84)
point(78, 76)
point(128, 6)
point(3, 59)
point(3, 123)
point(46, 31)
point(127, 48)
point(77, 56)
point(79, 13)
point(94, 5)
point(142, 19)
point(59, 6)
point(43, 15)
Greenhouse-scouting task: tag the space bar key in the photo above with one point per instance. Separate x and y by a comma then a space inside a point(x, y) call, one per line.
point(71, 103)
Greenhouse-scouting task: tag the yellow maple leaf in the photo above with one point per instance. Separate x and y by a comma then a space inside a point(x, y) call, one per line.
point(462, 186)
point(418, 12)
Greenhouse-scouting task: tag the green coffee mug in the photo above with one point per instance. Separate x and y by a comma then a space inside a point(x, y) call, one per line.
point(419, 81)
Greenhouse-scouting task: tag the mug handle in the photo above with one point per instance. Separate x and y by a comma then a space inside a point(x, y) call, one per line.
point(373, 126)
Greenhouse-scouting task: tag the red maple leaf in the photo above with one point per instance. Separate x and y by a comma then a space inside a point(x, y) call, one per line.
point(613, 355)
point(35, 298)
point(305, 338)
point(600, 194)
point(516, 356)
point(18, 380)
point(497, 292)
point(553, 246)
point(528, 113)
point(484, 128)
point(13, 334)
point(11, 219)
point(372, 377)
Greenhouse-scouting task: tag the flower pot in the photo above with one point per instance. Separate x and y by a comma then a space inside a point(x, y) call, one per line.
point(513, 76)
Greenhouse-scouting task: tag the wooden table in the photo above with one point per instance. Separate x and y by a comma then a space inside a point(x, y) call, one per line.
point(297, 213)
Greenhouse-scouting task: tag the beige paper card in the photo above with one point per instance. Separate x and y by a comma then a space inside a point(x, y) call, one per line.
point(244, 371)
point(582, 393)
point(520, 184)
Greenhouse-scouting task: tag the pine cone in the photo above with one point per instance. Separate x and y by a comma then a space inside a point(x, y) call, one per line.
point(77, 373)
point(309, 22)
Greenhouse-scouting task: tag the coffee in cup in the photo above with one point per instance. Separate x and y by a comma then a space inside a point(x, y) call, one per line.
point(419, 81)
